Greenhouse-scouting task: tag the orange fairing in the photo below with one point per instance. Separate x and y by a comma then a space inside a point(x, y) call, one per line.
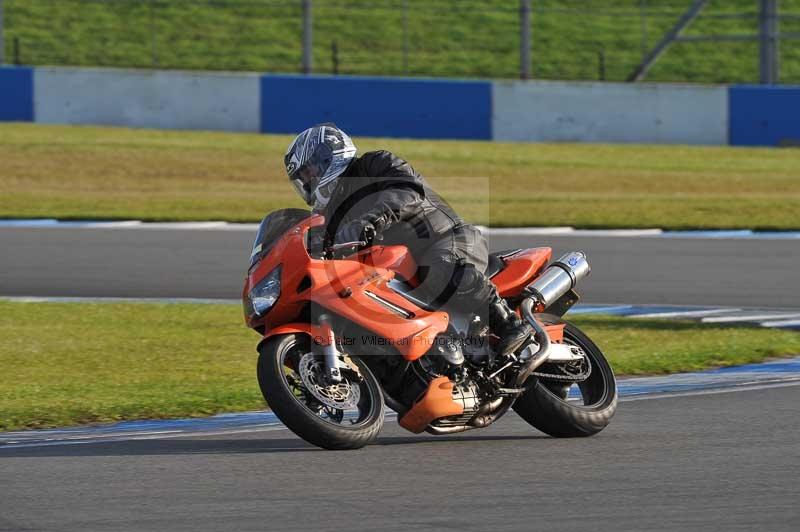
point(555, 332)
point(354, 288)
point(436, 402)
point(396, 258)
point(520, 270)
point(314, 331)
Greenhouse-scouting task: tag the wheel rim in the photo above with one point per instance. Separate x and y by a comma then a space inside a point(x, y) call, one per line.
point(350, 404)
point(587, 394)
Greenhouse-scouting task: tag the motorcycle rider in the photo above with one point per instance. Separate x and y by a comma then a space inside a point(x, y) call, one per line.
point(380, 194)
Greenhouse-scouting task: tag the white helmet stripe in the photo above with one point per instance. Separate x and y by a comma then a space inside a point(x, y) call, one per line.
point(331, 162)
point(326, 180)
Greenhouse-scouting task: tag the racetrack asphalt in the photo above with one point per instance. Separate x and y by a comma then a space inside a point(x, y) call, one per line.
point(724, 461)
point(210, 263)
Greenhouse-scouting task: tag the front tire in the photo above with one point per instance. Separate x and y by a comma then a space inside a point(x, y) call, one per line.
point(546, 405)
point(303, 411)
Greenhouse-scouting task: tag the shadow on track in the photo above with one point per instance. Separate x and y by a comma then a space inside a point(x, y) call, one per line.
point(465, 437)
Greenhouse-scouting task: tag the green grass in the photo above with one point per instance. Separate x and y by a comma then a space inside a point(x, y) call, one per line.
point(79, 363)
point(104, 173)
point(650, 346)
point(72, 363)
point(467, 38)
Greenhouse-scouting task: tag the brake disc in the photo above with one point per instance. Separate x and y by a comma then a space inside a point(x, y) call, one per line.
point(341, 396)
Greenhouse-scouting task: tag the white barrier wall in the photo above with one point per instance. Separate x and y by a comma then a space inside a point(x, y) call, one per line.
point(525, 111)
point(609, 112)
point(151, 99)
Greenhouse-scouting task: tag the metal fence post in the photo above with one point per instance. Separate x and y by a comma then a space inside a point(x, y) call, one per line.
point(643, 23)
point(405, 37)
point(671, 36)
point(601, 64)
point(153, 41)
point(2, 39)
point(525, 39)
point(335, 57)
point(308, 38)
point(768, 41)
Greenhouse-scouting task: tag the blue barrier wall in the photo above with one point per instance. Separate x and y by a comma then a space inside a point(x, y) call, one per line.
point(378, 107)
point(764, 116)
point(16, 94)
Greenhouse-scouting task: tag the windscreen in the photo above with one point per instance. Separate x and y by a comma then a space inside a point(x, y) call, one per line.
point(272, 227)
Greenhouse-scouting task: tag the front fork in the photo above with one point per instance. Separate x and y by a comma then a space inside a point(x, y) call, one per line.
point(330, 355)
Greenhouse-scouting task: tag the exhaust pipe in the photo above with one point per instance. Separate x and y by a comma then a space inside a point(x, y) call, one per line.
point(558, 279)
point(540, 335)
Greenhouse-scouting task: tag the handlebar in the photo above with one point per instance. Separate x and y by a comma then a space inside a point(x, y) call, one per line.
point(316, 243)
point(345, 245)
point(368, 237)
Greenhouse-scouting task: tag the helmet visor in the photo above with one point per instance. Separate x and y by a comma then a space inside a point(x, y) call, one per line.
point(315, 160)
point(304, 190)
point(305, 180)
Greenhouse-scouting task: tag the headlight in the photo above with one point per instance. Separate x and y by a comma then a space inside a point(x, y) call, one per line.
point(265, 293)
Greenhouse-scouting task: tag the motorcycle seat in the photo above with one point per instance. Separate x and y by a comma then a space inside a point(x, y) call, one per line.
point(497, 262)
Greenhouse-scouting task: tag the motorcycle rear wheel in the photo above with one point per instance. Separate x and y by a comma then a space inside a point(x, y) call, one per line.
point(547, 407)
point(314, 416)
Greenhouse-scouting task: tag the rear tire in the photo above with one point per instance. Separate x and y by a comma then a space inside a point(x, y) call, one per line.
point(298, 415)
point(545, 405)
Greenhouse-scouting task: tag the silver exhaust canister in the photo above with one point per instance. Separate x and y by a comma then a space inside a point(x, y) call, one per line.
point(559, 278)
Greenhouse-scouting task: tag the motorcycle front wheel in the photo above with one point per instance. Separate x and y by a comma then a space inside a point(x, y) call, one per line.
point(566, 410)
point(346, 415)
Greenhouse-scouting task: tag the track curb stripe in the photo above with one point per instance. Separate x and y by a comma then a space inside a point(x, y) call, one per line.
point(491, 231)
point(771, 318)
point(777, 373)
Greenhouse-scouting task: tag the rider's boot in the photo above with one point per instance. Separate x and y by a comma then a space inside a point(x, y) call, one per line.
point(505, 323)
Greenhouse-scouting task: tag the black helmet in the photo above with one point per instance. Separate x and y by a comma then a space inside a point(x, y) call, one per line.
point(315, 159)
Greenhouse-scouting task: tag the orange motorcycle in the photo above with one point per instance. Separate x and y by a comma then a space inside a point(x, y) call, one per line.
point(343, 337)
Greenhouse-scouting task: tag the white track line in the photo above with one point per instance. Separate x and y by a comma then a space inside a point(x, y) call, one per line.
point(781, 323)
point(617, 232)
point(156, 435)
point(522, 231)
point(184, 225)
point(687, 314)
point(601, 310)
point(749, 317)
point(117, 225)
point(144, 436)
point(389, 416)
point(67, 299)
point(496, 231)
point(713, 391)
point(569, 231)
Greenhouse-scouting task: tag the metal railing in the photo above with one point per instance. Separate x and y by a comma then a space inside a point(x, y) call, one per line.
point(2, 36)
point(544, 39)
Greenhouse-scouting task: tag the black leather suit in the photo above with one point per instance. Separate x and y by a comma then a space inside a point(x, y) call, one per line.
point(382, 191)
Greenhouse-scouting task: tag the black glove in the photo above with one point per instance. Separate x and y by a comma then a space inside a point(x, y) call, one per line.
point(316, 240)
point(354, 231)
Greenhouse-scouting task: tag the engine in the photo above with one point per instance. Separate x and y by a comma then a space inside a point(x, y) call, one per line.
point(466, 392)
